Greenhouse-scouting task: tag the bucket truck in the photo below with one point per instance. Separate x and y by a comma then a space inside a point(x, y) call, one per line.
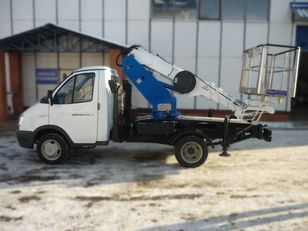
point(92, 106)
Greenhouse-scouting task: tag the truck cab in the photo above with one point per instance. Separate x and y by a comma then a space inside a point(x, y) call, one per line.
point(77, 113)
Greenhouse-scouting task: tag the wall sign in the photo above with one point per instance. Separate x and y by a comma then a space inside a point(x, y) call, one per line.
point(46, 75)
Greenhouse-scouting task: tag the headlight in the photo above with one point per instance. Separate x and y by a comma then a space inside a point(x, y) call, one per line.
point(21, 118)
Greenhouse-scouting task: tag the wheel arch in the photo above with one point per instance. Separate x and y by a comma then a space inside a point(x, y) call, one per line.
point(40, 131)
point(189, 132)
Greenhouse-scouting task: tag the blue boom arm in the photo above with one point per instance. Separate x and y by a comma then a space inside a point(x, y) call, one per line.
point(163, 103)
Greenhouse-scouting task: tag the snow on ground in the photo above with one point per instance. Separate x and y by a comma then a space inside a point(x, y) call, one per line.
point(262, 186)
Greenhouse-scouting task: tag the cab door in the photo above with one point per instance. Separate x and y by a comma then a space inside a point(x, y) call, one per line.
point(74, 107)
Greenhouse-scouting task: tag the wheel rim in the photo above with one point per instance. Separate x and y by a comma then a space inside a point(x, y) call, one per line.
point(191, 152)
point(51, 149)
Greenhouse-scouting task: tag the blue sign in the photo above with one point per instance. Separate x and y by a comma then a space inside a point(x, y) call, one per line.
point(276, 92)
point(46, 75)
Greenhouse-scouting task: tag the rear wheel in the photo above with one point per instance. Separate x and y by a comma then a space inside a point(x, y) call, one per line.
point(52, 148)
point(191, 151)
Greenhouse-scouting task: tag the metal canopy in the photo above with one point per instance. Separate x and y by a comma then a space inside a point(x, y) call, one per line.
point(300, 11)
point(53, 38)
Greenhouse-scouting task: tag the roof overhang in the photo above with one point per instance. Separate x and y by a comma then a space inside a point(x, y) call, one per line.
point(300, 11)
point(53, 38)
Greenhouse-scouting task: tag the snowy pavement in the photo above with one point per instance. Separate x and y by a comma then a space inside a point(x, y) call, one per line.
point(262, 186)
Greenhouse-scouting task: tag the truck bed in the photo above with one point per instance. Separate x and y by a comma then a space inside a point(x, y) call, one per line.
point(213, 129)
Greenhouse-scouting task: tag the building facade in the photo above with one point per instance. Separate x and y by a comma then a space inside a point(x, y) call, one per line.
point(206, 37)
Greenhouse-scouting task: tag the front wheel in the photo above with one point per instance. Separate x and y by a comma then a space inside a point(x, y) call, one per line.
point(191, 151)
point(52, 148)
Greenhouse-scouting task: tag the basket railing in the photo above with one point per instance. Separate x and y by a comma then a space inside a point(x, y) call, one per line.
point(269, 75)
point(268, 72)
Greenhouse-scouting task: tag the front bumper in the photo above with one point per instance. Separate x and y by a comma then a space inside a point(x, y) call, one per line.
point(25, 138)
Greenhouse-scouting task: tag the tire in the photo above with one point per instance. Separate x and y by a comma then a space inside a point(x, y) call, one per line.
point(52, 148)
point(191, 151)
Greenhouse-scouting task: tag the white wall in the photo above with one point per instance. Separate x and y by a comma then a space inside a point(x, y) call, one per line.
point(115, 20)
point(91, 17)
point(161, 38)
point(256, 33)
point(45, 60)
point(29, 81)
point(138, 15)
point(231, 60)
point(208, 58)
point(185, 55)
point(69, 61)
point(5, 18)
point(45, 12)
point(22, 15)
point(92, 59)
point(68, 13)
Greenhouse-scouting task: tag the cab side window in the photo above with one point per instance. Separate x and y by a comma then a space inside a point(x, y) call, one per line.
point(65, 94)
point(78, 89)
point(84, 86)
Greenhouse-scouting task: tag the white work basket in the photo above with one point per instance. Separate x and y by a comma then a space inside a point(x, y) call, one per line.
point(269, 72)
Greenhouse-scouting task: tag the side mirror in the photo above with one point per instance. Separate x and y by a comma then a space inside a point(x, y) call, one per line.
point(49, 97)
point(114, 86)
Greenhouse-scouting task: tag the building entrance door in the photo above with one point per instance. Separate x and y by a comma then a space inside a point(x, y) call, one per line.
point(299, 110)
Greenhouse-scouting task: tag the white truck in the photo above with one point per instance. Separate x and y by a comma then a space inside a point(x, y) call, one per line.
point(92, 107)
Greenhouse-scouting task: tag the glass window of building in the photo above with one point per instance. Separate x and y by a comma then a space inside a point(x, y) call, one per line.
point(232, 9)
point(185, 9)
point(209, 9)
point(181, 9)
point(162, 8)
point(257, 10)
